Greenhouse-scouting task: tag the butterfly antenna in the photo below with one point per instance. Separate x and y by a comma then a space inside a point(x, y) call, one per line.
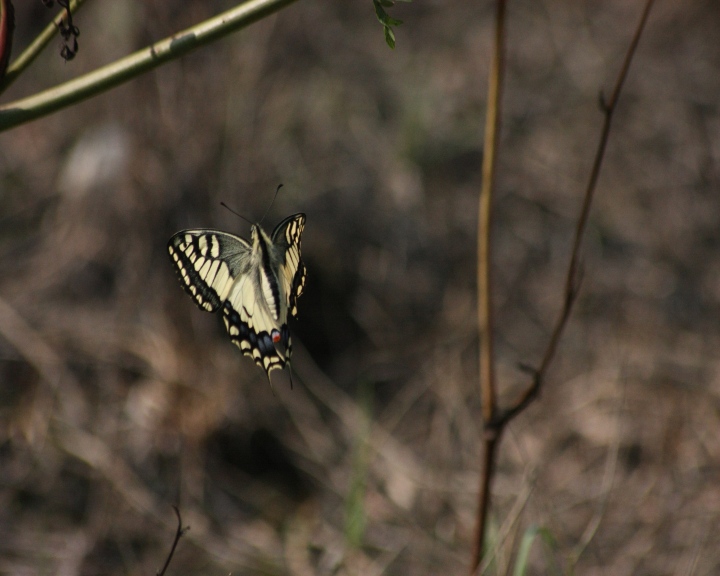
point(271, 203)
point(291, 380)
point(236, 214)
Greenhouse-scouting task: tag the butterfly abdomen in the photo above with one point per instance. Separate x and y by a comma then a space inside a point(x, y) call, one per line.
point(268, 281)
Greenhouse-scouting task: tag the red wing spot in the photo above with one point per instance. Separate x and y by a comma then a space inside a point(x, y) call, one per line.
point(275, 334)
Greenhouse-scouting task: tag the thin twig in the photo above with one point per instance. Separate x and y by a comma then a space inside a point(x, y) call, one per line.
point(98, 81)
point(178, 534)
point(492, 136)
point(574, 274)
point(494, 423)
point(31, 52)
point(487, 364)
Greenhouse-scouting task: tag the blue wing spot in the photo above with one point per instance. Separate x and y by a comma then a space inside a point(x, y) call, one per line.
point(265, 344)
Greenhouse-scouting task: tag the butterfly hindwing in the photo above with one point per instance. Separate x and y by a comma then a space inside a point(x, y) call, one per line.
point(253, 329)
point(256, 284)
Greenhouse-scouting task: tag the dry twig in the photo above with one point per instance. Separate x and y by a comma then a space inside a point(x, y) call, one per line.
point(495, 420)
point(178, 534)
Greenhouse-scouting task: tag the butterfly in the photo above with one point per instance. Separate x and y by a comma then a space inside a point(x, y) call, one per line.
point(255, 283)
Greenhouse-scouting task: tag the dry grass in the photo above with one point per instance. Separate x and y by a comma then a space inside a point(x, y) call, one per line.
point(119, 398)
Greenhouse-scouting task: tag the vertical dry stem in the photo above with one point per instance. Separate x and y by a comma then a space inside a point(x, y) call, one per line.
point(487, 365)
point(494, 420)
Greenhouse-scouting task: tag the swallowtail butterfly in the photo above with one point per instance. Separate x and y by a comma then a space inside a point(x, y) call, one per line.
point(256, 284)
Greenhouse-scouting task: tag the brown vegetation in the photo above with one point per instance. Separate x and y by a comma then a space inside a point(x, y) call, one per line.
point(118, 398)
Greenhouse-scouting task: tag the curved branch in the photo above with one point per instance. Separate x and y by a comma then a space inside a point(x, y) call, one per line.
point(109, 76)
point(179, 533)
point(574, 274)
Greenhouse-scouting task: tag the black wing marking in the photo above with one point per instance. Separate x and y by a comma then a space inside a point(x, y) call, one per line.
point(286, 237)
point(207, 263)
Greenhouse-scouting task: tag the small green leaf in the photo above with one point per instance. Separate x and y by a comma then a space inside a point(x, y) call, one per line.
point(390, 37)
point(384, 17)
point(386, 20)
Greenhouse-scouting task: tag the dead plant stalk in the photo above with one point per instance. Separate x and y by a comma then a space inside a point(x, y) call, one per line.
point(494, 420)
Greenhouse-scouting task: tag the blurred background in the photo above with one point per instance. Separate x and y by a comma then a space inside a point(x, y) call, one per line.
point(119, 398)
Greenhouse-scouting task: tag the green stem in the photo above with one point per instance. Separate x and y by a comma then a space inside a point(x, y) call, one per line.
point(31, 52)
point(109, 76)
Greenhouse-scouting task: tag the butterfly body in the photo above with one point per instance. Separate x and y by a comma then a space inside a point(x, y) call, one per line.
point(256, 283)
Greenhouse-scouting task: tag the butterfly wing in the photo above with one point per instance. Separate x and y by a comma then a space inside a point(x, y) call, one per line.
point(291, 273)
point(253, 329)
point(208, 262)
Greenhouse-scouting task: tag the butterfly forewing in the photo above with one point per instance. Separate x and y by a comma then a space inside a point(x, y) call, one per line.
point(286, 237)
point(207, 263)
point(255, 284)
